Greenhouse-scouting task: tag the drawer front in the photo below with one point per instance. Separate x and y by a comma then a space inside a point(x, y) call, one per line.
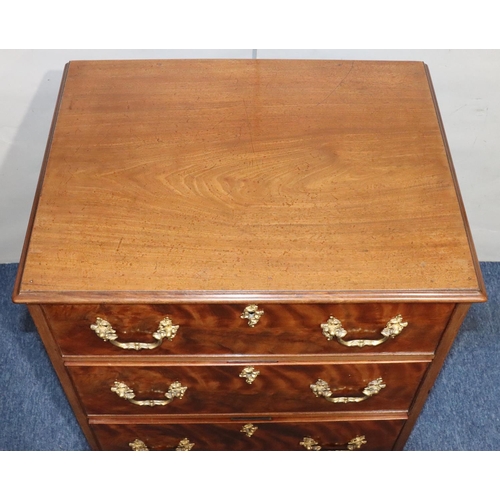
point(261, 389)
point(251, 436)
point(214, 329)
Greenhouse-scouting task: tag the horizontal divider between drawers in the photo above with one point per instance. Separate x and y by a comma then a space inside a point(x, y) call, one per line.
point(244, 360)
point(250, 417)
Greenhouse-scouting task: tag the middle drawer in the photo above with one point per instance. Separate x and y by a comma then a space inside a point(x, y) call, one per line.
point(257, 389)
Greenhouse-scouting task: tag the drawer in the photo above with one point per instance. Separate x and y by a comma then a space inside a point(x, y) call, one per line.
point(236, 389)
point(251, 436)
point(215, 329)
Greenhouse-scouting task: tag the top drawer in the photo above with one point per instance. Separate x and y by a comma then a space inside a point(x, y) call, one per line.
point(217, 329)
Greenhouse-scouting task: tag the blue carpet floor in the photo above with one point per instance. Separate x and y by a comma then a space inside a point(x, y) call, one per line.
point(461, 413)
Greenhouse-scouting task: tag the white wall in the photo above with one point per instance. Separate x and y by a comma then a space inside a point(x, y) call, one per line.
point(467, 84)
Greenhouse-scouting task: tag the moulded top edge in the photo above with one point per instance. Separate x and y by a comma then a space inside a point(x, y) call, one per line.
point(233, 296)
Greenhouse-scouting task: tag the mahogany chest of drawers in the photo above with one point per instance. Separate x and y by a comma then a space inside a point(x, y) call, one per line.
point(247, 254)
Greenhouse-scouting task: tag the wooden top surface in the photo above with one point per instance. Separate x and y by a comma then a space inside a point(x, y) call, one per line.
point(234, 180)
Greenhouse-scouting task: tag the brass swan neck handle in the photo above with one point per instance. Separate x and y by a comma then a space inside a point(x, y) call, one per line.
point(333, 329)
point(104, 330)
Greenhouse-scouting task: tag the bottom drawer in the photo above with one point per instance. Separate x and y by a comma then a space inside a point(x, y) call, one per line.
point(251, 436)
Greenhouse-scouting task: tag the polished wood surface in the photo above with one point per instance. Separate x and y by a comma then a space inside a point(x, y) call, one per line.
point(209, 180)
point(332, 435)
point(218, 329)
point(220, 389)
point(191, 189)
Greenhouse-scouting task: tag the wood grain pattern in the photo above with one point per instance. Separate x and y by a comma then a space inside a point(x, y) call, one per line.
point(193, 188)
point(380, 435)
point(174, 179)
point(218, 329)
point(220, 389)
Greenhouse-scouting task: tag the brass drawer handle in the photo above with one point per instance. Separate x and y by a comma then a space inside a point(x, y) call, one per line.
point(166, 330)
point(175, 390)
point(184, 445)
point(321, 388)
point(333, 329)
point(252, 313)
point(354, 444)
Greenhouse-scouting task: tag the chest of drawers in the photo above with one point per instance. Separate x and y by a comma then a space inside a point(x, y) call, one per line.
point(247, 254)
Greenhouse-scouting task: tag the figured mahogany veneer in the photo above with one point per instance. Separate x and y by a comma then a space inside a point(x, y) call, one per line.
point(220, 389)
point(330, 435)
point(194, 189)
point(218, 329)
